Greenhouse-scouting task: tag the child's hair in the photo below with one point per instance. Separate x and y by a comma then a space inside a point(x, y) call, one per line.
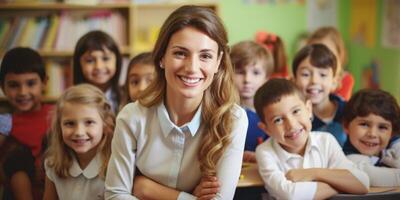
point(144, 58)
point(275, 45)
point(59, 155)
point(373, 101)
point(219, 99)
point(248, 53)
point(96, 41)
point(320, 57)
point(22, 60)
point(332, 34)
point(272, 92)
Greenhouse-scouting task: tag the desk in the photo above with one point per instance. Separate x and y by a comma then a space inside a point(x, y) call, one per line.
point(250, 181)
point(249, 176)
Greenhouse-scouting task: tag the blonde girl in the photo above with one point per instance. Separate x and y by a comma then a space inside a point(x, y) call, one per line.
point(184, 137)
point(79, 145)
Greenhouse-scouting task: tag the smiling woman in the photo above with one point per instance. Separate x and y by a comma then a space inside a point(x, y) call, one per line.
point(186, 121)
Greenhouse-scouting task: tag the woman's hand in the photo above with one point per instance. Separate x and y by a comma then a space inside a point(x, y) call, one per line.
point(207, 188)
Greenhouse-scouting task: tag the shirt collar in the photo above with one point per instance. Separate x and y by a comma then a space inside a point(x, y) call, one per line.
point(284, 156)
point(91, 171)
point(167, 125)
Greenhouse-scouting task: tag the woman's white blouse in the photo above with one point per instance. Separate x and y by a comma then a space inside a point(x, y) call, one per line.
point(146, 140)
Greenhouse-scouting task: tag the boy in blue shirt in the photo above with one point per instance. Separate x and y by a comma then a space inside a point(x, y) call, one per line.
point(314, 68)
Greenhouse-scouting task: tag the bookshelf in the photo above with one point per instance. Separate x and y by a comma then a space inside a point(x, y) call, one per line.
point(52, 28)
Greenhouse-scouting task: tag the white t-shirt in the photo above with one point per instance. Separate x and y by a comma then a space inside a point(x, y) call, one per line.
point(83, 184)
point(322, 151)
point(147, 140)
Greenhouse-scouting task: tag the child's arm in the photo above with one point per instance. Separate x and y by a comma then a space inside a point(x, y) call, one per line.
point(249, 156)
point(272, 173)
point(340, 179)
point(50, 191)
point(145, 188)
point(324, 191)
point(379, 176)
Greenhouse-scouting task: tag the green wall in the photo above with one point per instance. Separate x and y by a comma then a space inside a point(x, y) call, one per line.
point(290, 19)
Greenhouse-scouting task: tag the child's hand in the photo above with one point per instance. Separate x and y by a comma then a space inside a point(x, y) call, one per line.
point(300, 175)
point(249, 156)
point(207, 188)
point(391, 159)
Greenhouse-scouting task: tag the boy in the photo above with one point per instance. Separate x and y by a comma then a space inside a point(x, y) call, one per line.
point(253, 64)
point(371, 118)
point(23, 79)
point(294, 162)
point(314, 68)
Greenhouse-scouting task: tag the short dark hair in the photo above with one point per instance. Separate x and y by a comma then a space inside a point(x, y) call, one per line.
point(320, 57)
point(272, 92)
point(21, 60)
point(373, 101)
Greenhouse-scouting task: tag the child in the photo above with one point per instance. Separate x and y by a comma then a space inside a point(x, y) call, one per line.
point(275, 45)
point(139, 75)
point(184, 137)
point(314, 69)
point(80, 145)
point(97, 61)
point(331, 37)
point(371, 118)
point(253, 64)
point(23, 80)
point(295, 162)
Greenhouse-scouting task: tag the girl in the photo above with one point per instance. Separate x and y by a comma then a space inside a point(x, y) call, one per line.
point(97, 61)
point(330, 37)
point(185, 135)
point(80, 145)
point(139, 75)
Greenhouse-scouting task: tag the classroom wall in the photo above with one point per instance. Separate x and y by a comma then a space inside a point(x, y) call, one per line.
point(289, 20)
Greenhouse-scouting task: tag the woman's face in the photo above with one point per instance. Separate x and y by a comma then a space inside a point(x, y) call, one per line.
point(190, 62)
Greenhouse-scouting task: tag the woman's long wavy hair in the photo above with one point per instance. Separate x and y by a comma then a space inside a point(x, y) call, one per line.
point(218, 100)
point(59, 156)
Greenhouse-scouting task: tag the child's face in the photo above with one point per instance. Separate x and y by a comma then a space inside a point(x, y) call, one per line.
point(249, 78)
point(316, 83)
point(82, 128)
point(98, 67)
point(190, 62)
point(288, 122)
point(24, 91)
point(139, 77)
point(370, 134)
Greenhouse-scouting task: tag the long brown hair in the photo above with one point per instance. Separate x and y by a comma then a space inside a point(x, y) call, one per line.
point(218, 100)
point(59, 156)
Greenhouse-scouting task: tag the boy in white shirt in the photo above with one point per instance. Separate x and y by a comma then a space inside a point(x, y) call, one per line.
point(296, 163)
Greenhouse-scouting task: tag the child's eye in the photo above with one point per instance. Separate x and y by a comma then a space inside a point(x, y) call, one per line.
point(134, 82)
point(12, 85)
point(277, 120)
point(363, 124)
point(323, 74)
point(296, 111)
point(256, 72)
point(31, 83)
point(383, 127)
point(68, 123)
point(305, 74)
point(90, 122)
point(89, 60)
point(106, 58)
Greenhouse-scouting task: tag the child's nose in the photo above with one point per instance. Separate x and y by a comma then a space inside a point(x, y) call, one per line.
point(23, 90)
point(99, 64)
point(372, 132)
point(142, 85)
point(290, 123)
point(79, 130)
